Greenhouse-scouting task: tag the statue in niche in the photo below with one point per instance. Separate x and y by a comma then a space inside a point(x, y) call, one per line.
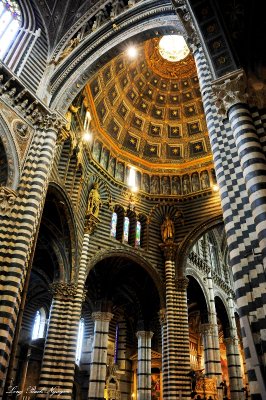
point(195, 182)
point(167, 229)
point(155, 185)
point(205, 181)
point(120, 171)
point(69, 48)
point(146, 183)
point(165, 185)
point(176, 186)
point(94, 201)
point(111, 165)
point(104, 158)
point(72, 110)
point(186, 184)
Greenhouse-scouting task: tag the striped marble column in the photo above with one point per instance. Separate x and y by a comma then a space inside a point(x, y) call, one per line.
point(18, 227)
point(176, 349)
point(232, 99)
point(215, 334)
point(162, 318)
point(99, 355)
point(58, 366)
point(121, 347)
point(234, 368)
point(144, 365)
point(207, 331)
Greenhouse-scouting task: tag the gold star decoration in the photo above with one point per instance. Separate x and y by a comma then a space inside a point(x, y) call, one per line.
point(138, 121)
point(149, 92)
point(175, 150)
point(175, 130)
point(174, 112)
point(115, 128)
point(133, 141)
point(152, 149)
point(174, 98)
point(198, 147)
point(155, 129)
point(158, 112)
point(161, 98)
point(143, 105)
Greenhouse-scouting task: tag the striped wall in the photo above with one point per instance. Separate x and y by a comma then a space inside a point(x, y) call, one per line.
point(242, 238)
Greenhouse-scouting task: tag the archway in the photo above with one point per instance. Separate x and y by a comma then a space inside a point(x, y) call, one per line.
point(119, 285)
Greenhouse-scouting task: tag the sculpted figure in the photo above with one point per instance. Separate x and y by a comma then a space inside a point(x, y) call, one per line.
point(167, 229)
point(94, 201)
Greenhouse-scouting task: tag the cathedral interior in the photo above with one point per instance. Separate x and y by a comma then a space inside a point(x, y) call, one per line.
point(132, 200)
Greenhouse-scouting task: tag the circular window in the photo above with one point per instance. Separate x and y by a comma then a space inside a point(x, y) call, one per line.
point(173, 48)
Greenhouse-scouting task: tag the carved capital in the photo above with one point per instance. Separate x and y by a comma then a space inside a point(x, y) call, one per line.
point(7, 199)
point(144, 335)
point(90, 223)
point(207, 329)
point(63, 290)
point(182, 283)
point(52, 122)
point(229, 90)
point(169, 249)
point(231, 341)
point(102, 316)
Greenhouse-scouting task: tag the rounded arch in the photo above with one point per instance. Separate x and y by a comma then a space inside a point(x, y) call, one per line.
point(11, 155)
point(190, 239)
point(223, 315)
point(191, 272)
point(96, 49)
point(136, 258)
point(65, 205)
point(197, 296)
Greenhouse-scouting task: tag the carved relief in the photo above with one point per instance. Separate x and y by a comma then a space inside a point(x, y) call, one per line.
point(63, 290)
point(7, 199)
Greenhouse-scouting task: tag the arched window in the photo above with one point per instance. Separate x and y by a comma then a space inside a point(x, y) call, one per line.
point(39, 324)
point(126, 230)
point(113, 224)
point(10, 22)
point(138, 234)
point(80, 340)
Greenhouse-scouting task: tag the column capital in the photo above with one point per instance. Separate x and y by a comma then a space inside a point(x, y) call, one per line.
point(102, 316)
point(229, 90)
point(144, 334)
point(182, 283)
point(63, 290)
point(207, 328)
point(231, 340)
point(169, 250)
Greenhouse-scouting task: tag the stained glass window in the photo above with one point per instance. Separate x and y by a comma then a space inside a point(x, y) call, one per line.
point(126, 229)
point(39, 324)
point(80, 340)
point(10, 21)
point(138, 233)
point(113, 224)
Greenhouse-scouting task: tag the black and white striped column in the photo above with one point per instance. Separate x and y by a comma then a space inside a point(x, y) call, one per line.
point(233, 356)
point(17, 231)
point(58, 366)
point(207, 332)
point(162, 318)
point(144, 365)
point(121, 345)
point(176, 382)
point(234, 368)
point(216, 361)
point(99, 355)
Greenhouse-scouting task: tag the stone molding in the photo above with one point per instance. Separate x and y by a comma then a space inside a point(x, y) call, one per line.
point(25, 104)
point(207, 329)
